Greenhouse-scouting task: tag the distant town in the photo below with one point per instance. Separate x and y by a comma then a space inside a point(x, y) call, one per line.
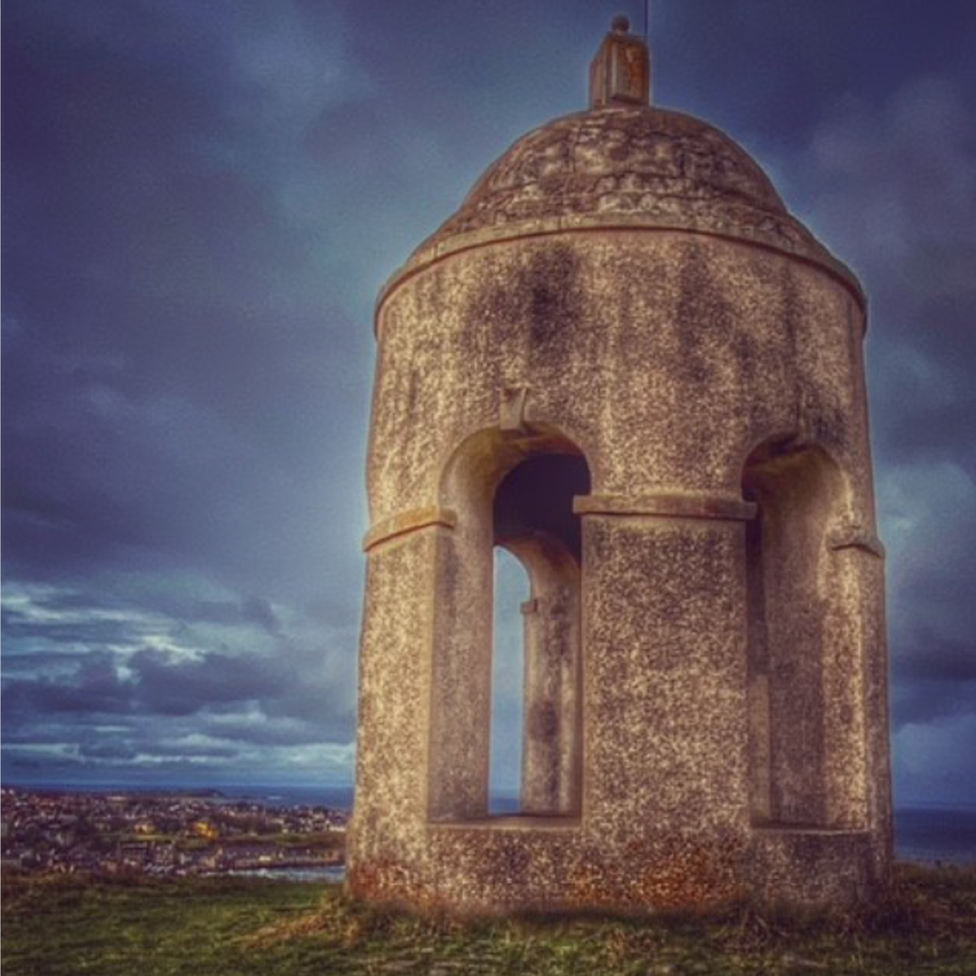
point(163, 834)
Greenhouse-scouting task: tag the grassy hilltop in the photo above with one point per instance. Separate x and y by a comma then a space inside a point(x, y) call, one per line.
point(64, 926)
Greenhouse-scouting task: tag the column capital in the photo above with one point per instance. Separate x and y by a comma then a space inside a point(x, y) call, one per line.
point(668, 505)
point(412, 520)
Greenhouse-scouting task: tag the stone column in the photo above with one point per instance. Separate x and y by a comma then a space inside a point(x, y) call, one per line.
point(666, 714)
point(390, 813)
point(550, 754)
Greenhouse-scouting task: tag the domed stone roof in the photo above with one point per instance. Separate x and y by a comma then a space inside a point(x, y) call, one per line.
point(625, 166)
point(621, 162)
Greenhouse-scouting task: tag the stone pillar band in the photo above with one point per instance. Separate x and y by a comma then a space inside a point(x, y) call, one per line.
point(409, 521)
point(669, 505)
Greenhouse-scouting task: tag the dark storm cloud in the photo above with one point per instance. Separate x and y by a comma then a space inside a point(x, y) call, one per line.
point(236, 679)
point(771, 69)
point(928, 702)
point(288, 680)
point(251, 610)
point(187, 338)
point(102, 750)
point(85, 631)
point(163, 686)
point(149, 706)
point(934, 678)
point(93, 688)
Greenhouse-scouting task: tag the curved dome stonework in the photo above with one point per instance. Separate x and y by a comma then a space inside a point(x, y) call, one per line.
point(611, 162)
point(626, 167)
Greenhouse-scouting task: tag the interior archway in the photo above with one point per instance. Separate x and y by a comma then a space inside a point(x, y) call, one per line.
point(792, 601)
point(534, 520)
point(513, 494)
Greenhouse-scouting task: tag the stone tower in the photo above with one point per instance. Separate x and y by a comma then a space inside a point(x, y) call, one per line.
point(626, 363)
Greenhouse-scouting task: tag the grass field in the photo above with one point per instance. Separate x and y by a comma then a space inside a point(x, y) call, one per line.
point(234, 927)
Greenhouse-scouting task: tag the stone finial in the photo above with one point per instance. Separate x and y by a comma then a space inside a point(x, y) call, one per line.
point(621, 71)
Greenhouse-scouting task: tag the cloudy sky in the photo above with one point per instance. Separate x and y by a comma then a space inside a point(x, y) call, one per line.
point(201, 200)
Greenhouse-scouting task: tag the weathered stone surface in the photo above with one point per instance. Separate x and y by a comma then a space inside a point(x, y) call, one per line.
point(626, 166)
point(623, 361)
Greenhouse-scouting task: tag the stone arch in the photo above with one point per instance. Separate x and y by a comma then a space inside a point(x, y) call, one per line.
point(515, 490)
point(804, 692)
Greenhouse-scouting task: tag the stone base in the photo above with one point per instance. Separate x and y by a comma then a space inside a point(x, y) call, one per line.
point(528, 864)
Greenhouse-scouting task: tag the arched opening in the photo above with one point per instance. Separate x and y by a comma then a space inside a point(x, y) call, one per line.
point(513, 498)
point(533, 519)
point(793, 605)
